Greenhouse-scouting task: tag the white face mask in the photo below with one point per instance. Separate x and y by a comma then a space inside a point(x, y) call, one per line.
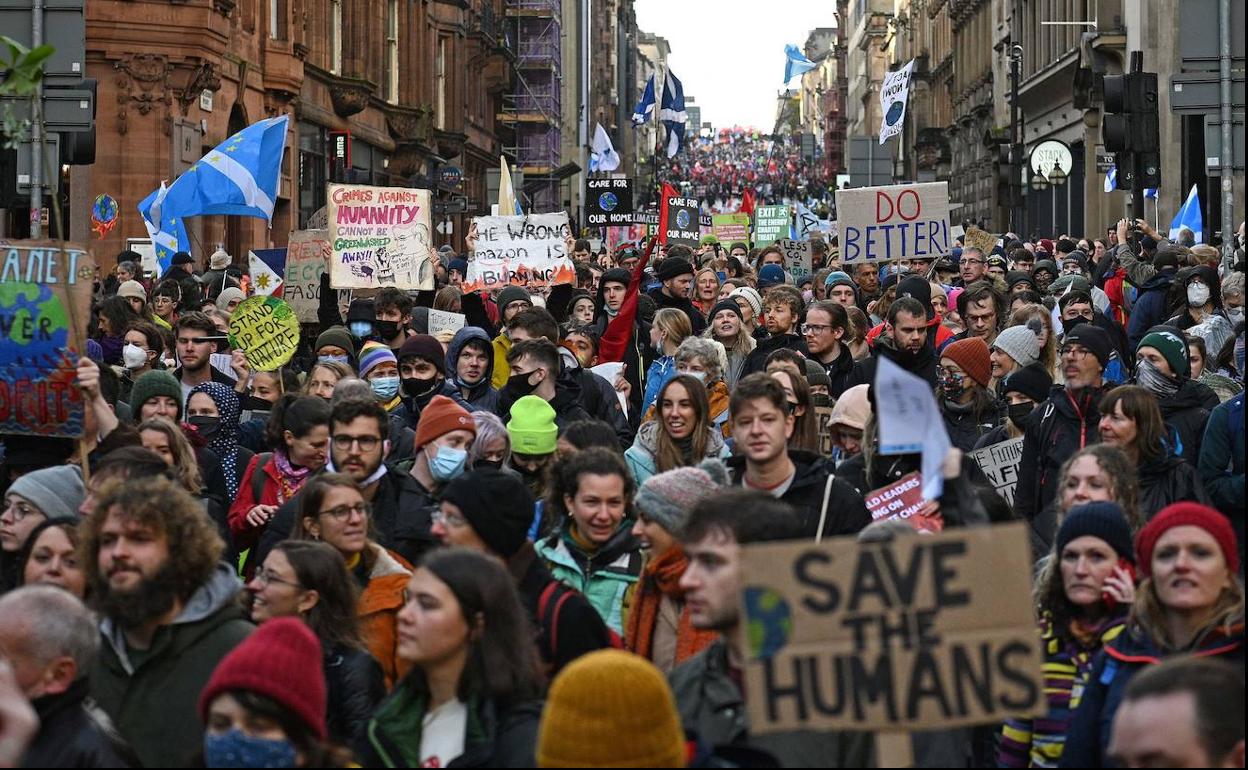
point(1235, 314)
point(133, 356)
point(1197, 294)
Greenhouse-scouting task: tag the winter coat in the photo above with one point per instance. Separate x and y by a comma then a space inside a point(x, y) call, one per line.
point(846, 512)
point(605, 577)
point(483, 395)
point(661, 370)
point(354, 685)
point(579, 630)
point(683, 304)
point(964, 426)
point(1150, 308)
point(756, 361)
point(923, 364)
point(501, 369)
point(598, 397)
point(154, 703)
point(75, 732)
point(378, 611)
point(713, 708)
point(566, 403)
point(1167, 480)
point(841, 371)
point(1222, 461)
point(1122, 658)
point(244, 534)
point(643, 456)
point(411, 408)
point(1185, 414)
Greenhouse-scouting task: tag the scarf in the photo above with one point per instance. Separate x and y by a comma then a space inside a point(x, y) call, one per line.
point(289, 478)
point(224, 442)
point(660, 578)
point(1149, 377)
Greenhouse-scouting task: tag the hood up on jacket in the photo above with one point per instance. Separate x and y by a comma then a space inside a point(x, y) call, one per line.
point(458, 342)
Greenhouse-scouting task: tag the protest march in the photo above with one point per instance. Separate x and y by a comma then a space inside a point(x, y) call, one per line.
point(713, 453)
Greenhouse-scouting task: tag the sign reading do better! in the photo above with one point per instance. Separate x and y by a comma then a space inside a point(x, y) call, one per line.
point(921, 632)
point(906, 221)
point(266, 330)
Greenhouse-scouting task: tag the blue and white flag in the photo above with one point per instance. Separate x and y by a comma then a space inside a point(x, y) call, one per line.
point(645, 108)
point(239, 177)
point(894, 95)
point(1189, 216)
point(672, 113)
point(795, 63)
point(1111, 183)
point(603, 156)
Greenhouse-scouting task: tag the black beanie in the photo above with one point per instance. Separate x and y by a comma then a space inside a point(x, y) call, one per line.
point(1094, 338)
point(1101, 519)
point(726, 304)
point(672, 267)
point(616, 275)
point(1031, 380)
point(498, 505)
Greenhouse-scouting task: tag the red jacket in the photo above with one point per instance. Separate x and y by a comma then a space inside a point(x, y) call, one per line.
point(247, 535)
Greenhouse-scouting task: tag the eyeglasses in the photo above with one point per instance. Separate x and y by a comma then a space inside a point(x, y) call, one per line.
point(973, 262)
point(815, 328)
point(21, 510)
point(162, 300)
point(269, 577)
point(343, 512)
point(1076, 352)
point(367, 443)
point(451, 519)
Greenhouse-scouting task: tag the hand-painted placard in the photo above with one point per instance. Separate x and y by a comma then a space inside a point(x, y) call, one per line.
point(379, 236)
point(903, 499)
point(999, 462)
point(608, 201)
point(683, 222)
point(980, 239)
point(442, 321)
point(798, 256)
point(731, 228)
point(526, 250)
point(879, 224)
point(307, 255)
point(266, 330)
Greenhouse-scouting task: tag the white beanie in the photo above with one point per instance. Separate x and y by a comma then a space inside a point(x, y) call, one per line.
point(751, 296)
point(1019, 343)
point(228, 295)
point(56, 491)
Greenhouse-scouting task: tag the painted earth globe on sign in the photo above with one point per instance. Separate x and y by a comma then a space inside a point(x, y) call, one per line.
point(769, 621)
point(104, 209)
point(682, 220)
point(40, 325)
point(607, 201)
point(895, 111)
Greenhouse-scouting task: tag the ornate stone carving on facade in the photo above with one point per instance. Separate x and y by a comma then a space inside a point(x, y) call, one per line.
point(407, 124)
point(277, 101)
point(203, 77)
point(349, 95)
point(143, 83)
point(224, 7)
point(407, 159)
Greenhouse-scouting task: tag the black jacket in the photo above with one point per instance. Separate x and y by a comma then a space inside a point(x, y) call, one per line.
point(74, 732)
point(846, 513)
point(1168, 480)
point(964, 426)
point(580, 629)
point(566, 403)
point(684, 305)
point(1185, 414)
point(1150, 307)
point(756, 361)
point(354, 684)
point(840, 371)
point(923, 364)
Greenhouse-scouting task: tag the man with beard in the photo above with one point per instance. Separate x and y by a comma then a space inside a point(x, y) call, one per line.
point(168, 613)
point(676, 276)
point(826, 323)
point(904, 342)
point(422, 375)
point(470, 366)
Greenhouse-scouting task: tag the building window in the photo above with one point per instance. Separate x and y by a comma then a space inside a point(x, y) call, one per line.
point(312, 171)
point(440, 73)
point(392, 51)
point(335, 36)
point(277, 19)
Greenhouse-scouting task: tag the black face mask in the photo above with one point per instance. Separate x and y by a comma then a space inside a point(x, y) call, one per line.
point(1020, 414)
point(253, 404)
point(415, 387)
point(495, 464)
point(1077, 321)
point(518, 386)
point(206, 425)
point(821, 400)
point(386, 330)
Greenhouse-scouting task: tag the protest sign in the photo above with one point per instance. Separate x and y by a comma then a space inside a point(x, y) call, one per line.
point(527, 249)
point(771, 223)
point(731, 228)
point(797, 257)
point(894, 94)
point(608, 202)
point(918, 633)
point(147, 254)
point(903, 499)
point(903, 221)
point(979, 239)
point(823, 415)
point(910, 422)
point(45, 305)
point(266, 330)
point(999, 462)
point(683, 222)
point(442, 321)
point(307, 254)
point(379, 236)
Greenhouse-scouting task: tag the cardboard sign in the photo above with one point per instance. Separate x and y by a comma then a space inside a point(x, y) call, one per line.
point(771, 223)
point(683, 224)
point(999, 462)
point(903, 499)
point(524, 250)
point(307, 254)
point(924, 632)
point(266, 330)
point(45, 305)
point(798, 256)
point(379, 236)
point(731, 228)
point(442, 321)
point(880, 224)
point(608, 202)
point(980, 239)
point(824, 416)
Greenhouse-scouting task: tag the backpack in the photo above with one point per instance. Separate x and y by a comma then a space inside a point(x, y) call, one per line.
point(551, 601)
point(257, 476)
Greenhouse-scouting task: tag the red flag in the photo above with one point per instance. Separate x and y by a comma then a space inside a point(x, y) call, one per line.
point(747, 202)
point(667, 192)
point(615, 339)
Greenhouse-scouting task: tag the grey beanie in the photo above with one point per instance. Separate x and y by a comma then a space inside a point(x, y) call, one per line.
point(56, 491)
point(667, 498)
point(1019, 343)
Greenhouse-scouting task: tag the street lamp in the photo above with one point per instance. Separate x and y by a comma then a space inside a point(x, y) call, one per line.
point(1038, 182)
point(1057, 176)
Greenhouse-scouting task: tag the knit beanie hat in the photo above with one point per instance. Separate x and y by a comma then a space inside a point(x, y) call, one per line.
point(1015, 277)
point(673, 267)
point(838, 276)
point(1171, 347)
point(614, 275)
point(1094, 338)
point(280, 660)
point(132, 289)
point(1032, 381)
point(498, 505)
point(725, 304)
point(339, 337)
point(852, 409)
point(916, 287)
point(1044, 264)
point(770, 275)
point(751, 296)
point(373, 354)
point(219, 260)
point(56, 491)
point(1019, 343)
point(1184, 515)
point(439, 418)
point(1101, 519)
point(182, 258)
point(666, 498)
point(610, 708)
point(229, 294)
point(459, 265)
point(972, 355)
point(532, 426)
point(816, 374)
point(149, 385)
point(427, 348)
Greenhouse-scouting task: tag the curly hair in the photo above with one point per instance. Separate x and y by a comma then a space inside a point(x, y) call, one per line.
point(596, 461)
point(1121, 473)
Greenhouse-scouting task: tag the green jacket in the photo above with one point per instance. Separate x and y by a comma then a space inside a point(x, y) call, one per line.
point(154, 703)
point(606, 578)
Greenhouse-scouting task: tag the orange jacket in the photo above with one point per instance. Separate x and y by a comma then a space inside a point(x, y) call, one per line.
point(378, 611)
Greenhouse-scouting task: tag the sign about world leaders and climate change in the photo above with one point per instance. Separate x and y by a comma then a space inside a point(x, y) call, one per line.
point(918, 633)
point(608, 202)
point(379, 236)
point(45, 305)
point(905, 221)
point(266, 330)
point(523, 250)
point(731, 228)
point(683, 222)
point(307, 255)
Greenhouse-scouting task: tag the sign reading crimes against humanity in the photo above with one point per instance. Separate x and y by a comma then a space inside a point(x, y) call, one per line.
point(307, 254)
point(906, 221)
point(609, 202)
point(45, 304)
point(266, 330)
point(922, 632)
point(999, 462)
point(525, 249)
point(379, 236)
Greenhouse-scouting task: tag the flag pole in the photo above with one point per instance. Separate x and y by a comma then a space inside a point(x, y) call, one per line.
point(660, 77)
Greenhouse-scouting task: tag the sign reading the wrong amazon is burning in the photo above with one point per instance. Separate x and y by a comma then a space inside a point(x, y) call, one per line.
point(524, 250)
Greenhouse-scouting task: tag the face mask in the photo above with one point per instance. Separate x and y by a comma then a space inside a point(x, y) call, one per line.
point(1235, 315)
point(385, 388)
point(1149, 377)
point(518, 385)
point(170, 363)
point(447, 463)
point(821, 400)
point(387, 330)
point(237, 750)
point(415, 387)
point(254, 404)
point(495, 464)
point(339, 359)
point(205, 425)
point(1020, 414)
point(360, 329)
point(699, 376)
point(952, 387)
point(1197, 294)
point(133, 356)
point(1069, 326)
point(808, 296)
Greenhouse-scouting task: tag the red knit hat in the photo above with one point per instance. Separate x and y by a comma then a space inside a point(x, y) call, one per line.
point(280, 660)
point(1184, 515)
point(972, 355)
point(439, 418)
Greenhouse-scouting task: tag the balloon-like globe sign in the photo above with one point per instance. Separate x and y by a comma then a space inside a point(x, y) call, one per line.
point(104, 211)
point(895, 111)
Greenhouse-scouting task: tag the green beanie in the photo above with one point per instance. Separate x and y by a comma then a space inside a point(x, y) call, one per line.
point(1172, 348)
point(532, 427)
point(157, 382)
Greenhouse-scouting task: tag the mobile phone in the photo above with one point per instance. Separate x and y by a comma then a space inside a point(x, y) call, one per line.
point(1129, 568)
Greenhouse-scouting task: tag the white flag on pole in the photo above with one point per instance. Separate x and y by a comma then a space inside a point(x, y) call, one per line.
point(894, 94)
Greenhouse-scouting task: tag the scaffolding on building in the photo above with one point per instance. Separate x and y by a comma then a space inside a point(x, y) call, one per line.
point(533, 107)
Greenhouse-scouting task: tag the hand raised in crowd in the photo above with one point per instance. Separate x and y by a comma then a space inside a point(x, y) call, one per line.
point(89, 378)
point(622, 385)
point(238, 362)
point(470, 240)
point(259, 515)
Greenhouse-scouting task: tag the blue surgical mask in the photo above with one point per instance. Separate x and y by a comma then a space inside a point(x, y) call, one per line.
point(699, 376)
point(360, 329)
point(233, 749)
point(447, 464)
point(385, 388)
point(340, 359)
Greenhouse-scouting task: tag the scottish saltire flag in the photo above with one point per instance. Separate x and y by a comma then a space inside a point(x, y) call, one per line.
point(645, 108)
point(672, 113)
point(603, 156)
point(239, 177)
point(1111, 183)
point(795, 63)
point(1189, 216)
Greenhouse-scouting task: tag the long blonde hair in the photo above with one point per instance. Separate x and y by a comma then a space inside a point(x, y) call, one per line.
point(185, 466)
point(1148, 614)
point(674, 324)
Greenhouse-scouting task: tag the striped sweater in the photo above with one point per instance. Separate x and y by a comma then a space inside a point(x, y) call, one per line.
point(1038, 742)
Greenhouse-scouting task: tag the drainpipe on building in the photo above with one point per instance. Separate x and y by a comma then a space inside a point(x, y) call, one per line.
point(36, 130)
point(1228, 142)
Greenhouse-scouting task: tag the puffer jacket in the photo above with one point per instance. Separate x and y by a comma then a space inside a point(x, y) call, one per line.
point(483, 395)
point(643, 456)
point(74, 732)
point(354, 685)
point(606, 577)
point(1167, 480)
point(502, 369)
point(1185, 414)
point(1222, 461)
point(756, 361)
point(1150, 307)
point(846, 512)
point(378, 611)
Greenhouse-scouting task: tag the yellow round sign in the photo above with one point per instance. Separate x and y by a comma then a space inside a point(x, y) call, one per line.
point(266, 330)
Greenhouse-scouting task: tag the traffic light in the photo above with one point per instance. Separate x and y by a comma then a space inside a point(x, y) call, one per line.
point(1130, 128)
point(1006, 173)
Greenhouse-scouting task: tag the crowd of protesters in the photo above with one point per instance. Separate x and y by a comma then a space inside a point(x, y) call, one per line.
point(721, 167)
point(472, 549)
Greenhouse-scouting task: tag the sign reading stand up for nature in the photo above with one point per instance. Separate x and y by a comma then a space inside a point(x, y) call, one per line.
point(919, 633)
point(45, 304)
point(523, 250)
point(379, 236)
point(905, 221)
point(266, 330)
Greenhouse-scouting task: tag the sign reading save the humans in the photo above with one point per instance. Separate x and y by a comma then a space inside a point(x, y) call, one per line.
point(266, 330)
point(923, 632)
point(527, 249)
point(904, 221)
